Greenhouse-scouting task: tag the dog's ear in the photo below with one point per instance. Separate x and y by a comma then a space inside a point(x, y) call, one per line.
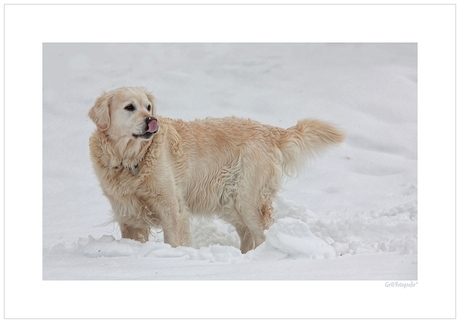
point(152, 101)
point(99, 113)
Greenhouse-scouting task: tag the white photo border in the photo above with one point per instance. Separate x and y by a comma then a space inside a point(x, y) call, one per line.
point(27, 27)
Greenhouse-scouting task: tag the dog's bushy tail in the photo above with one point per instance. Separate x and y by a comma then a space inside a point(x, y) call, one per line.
point(305, 140)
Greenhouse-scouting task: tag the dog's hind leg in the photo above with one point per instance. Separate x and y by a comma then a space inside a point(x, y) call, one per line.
point(250, 228)
point(246, 237)
point(232, 216)
point(257, 220)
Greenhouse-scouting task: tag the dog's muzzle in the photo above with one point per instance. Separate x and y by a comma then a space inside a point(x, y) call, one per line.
point(151, 127)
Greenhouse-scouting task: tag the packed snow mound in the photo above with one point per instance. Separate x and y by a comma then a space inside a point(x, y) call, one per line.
point(388, 230)
point(108, 246)
point(296, 233)
point(294, 238)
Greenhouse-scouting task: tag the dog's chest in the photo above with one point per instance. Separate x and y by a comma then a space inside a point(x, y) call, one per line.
point(123, 182)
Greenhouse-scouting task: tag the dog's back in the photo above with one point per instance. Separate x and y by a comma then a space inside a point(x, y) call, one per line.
point(234, 167)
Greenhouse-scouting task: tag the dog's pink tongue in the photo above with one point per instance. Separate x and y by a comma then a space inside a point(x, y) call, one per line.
point(153, 126)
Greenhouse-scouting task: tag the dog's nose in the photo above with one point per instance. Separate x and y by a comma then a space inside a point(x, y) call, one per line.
point(150, 119)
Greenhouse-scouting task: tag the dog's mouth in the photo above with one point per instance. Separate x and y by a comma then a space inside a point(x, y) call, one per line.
point(151, 127)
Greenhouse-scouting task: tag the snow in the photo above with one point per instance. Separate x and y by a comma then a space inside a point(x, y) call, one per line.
point(351, 215)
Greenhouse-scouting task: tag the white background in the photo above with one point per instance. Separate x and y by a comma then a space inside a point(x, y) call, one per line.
point(27, 27)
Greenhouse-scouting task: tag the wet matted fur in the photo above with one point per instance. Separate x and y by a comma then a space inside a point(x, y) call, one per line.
point(158, 171)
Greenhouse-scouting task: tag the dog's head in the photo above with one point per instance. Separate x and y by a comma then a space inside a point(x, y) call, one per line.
point(127, 112)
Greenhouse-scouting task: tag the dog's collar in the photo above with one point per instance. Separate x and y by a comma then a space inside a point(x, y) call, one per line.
point(106, 152)
point(134, 170)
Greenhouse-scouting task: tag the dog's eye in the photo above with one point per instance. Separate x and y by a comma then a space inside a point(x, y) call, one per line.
point(130, 108)
point(149, 107)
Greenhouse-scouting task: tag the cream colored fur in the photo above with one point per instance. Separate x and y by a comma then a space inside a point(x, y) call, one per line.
point(229, 167)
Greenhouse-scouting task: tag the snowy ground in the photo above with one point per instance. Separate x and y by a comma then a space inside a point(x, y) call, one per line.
point(352, 215)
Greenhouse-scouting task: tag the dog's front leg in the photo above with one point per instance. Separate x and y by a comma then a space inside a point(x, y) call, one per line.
point(138, 234)
point(131, 225)
point(175, 223)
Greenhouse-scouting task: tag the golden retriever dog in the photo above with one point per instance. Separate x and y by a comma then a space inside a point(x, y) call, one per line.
point(157, 172)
